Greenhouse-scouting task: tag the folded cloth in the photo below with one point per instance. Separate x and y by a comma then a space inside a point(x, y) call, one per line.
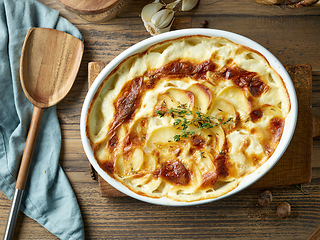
point(48, 197)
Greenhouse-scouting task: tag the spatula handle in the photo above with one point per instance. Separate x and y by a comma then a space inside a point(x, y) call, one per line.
point(29, 147)
point(14, 210)
point(23, 171)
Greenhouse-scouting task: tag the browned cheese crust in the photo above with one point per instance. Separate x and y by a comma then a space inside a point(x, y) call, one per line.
point(188, 118)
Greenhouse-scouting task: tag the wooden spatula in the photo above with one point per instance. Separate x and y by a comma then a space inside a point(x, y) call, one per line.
point(50, 61)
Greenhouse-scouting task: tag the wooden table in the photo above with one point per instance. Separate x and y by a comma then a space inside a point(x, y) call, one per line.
point(293, 36)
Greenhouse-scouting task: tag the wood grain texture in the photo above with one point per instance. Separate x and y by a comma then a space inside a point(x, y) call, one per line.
point(239, 215)
point(95, 6)
point(229, 7)
point(29, 148)
point(315, 235)
point(95, 10)
point(49, 64)
point(316, 127)
point(292, 35)
point(290, 4)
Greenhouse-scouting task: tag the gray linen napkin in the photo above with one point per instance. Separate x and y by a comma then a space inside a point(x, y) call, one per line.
point(48, 197)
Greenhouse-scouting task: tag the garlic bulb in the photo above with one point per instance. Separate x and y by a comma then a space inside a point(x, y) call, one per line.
point(158, 17)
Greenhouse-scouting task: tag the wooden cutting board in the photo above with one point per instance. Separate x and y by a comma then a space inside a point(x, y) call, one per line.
point(294, 167)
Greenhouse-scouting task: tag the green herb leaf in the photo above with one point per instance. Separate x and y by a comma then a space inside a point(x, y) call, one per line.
point(177, 121)
point(161, 113)
point(184, 117)
point(176, 138)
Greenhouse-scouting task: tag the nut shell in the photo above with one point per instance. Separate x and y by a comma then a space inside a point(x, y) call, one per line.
point(265, 198)
point(284, 210)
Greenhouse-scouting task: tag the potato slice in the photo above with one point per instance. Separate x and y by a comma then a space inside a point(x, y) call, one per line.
point(132, 165)
point(237, 142)
point(222, 109)
point(120, 166)
point(182, 97)
point(149, 163)
point(137, 159)
point(203, 97)
point(161, 135)
point(236, 97)
point(167, 101)
point(220, 135)
point(205, 162)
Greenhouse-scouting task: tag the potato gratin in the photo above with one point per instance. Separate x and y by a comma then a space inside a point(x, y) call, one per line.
point(188, 118)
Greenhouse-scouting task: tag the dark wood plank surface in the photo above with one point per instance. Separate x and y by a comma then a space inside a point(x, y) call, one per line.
point(293, 36)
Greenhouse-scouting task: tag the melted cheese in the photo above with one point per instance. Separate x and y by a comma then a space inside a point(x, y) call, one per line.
point(133, 128)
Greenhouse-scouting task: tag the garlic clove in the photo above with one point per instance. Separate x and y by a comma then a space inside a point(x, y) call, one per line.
point(166, 29)
point(162, 18)
point(149, 10)
point(187, 5)
point(151, 28)
point(173, 4)
point(154, 30)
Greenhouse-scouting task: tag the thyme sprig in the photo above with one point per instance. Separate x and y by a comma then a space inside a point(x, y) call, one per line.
point(184, 118)
point(299, 186)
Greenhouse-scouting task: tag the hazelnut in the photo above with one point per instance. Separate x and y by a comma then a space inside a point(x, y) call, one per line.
point(204, 24)
point(284, 210)
point(265, 198)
